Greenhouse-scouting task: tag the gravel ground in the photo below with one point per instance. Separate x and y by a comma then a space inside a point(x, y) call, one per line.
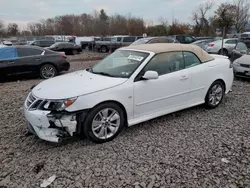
point(191, 148)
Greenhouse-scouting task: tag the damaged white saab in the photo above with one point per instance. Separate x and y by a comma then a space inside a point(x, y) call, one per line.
point(132, 85)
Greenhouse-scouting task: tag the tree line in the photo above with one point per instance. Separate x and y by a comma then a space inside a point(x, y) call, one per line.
point(101, 24)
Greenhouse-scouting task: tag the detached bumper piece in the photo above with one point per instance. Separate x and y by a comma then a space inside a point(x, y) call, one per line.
point(51, 127)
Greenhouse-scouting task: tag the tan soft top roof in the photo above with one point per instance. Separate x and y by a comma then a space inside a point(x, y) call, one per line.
point(170, 47)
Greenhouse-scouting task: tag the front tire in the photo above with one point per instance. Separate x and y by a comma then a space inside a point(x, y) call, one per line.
point(104, 122)
point(48, 71)
point(215, 95)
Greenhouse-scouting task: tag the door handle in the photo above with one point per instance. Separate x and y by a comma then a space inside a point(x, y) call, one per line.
point(184, 77)
point(11, 62)
point(38, 59)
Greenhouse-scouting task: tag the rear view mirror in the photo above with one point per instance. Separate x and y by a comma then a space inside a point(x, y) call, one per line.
point(150, 75)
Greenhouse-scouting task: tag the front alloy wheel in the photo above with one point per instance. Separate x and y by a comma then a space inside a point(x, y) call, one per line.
point(104, 123)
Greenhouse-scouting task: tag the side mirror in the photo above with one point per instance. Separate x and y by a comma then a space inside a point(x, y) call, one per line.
point(150, 75)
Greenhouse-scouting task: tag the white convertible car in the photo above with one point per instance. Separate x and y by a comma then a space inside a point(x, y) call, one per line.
point(132, 85)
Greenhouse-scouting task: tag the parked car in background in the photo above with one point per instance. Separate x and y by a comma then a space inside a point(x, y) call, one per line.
point(239, 50)
point(115, 43)
point(16, 60)
point(130, 86)
point(91, 45)
point(241, 66)
point(241, 60)
point(203, 43)
point(68, 48)
point(216, 46)
point(202, 38)
point(184, 39)
point(42, 43)
point(150, 40)
point(7, 43)
point(245, 37)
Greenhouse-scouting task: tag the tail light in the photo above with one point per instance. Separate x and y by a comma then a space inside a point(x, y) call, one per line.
point(211, 44)
point(63, 56)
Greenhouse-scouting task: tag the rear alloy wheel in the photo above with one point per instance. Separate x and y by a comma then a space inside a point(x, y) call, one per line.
point(74, 52)
point(224, 52)
point(104, 49)
point(48, 71)
point(215, 94)
point(104, 123)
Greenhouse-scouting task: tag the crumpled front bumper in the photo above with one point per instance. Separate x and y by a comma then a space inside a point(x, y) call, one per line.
point(49, 127)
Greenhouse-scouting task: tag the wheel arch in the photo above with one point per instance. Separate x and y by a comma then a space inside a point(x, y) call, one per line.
point(50, 63)
point(119, 104)
point(217, 80)
point(222, 49)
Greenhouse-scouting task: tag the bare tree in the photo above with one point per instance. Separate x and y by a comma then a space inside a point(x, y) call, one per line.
point(199, 17)
point(242, 14)
point(13, 29)
point(2, 28)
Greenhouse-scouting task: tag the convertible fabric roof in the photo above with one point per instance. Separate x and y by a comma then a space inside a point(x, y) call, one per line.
point(172, 47)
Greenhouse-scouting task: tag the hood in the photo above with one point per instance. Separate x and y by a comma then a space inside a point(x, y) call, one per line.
point(74, 84)
point(245, 59)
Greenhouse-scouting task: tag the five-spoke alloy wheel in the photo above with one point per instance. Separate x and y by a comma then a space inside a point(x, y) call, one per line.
point(48, 71)
point(215, 94)
point(104, 122)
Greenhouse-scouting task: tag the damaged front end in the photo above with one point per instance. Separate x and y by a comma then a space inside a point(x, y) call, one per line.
point(49, 121)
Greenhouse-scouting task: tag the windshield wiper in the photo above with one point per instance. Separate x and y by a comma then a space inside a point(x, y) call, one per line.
point(103, 73)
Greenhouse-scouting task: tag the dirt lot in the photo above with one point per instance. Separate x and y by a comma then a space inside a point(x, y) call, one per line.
point(191, 148)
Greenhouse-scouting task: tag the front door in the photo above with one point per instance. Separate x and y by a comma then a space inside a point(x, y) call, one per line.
point(169, 91)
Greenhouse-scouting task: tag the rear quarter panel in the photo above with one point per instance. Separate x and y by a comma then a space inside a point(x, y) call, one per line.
point(204, 75)
point(220, 69)
point(56, 60)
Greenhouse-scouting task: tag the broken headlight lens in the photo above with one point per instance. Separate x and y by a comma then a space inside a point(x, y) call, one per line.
point(59, 105)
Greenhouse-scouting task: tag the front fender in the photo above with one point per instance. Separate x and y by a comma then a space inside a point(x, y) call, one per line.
point(122, 94)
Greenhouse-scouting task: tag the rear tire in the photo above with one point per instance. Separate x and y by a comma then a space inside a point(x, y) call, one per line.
point(104, 123)
point(215, 95)
point(224, 52)
point(74, 52)
point(104, 49)
point(48, 71)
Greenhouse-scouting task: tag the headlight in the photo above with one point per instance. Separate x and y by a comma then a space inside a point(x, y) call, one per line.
point(236, 63)
point(59, 105)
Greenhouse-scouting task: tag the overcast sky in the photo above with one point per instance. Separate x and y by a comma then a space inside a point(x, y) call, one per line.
point(24, 11)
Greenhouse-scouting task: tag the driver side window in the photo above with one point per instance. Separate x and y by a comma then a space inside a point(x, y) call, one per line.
point(165, 63)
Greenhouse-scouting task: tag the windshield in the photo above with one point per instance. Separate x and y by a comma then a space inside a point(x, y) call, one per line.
point(140, 41)
point(122, 63)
